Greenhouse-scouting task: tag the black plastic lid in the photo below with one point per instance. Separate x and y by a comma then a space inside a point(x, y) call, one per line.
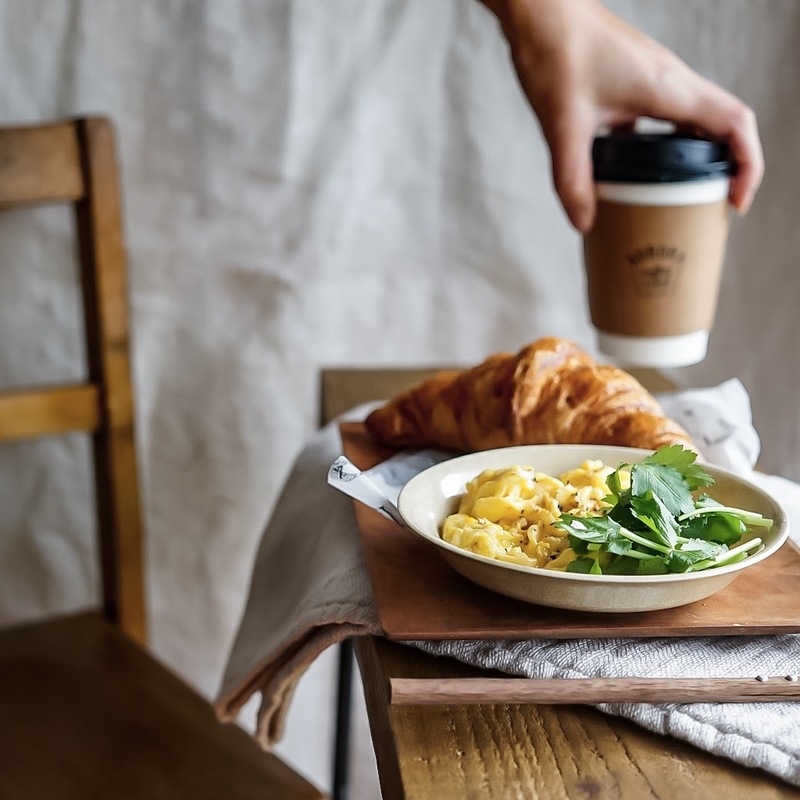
point(658, 158)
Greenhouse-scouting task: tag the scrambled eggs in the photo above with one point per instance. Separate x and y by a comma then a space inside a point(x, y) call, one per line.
point(508, 514)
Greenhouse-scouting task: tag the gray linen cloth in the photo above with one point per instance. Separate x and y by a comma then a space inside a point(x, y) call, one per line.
point(309, 589)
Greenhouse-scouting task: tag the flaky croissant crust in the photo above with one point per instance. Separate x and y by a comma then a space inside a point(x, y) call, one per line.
point(550, 392)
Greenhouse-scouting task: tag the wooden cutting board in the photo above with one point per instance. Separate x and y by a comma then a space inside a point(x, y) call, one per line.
point(418, 596)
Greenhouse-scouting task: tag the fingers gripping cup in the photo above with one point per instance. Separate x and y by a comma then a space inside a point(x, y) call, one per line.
point(655, 254)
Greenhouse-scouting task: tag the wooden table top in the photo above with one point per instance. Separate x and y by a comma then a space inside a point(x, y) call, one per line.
point(453, 752)
point(494, 752)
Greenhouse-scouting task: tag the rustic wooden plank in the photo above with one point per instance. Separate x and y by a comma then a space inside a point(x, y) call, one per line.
point(389, 752)
point(558, 691)
point(48, 412)
point(105, 299)
point(88, 714)
point(39, 164)
point(507, 751)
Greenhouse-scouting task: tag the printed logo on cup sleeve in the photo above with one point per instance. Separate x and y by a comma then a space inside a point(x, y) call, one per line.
point(656, 269)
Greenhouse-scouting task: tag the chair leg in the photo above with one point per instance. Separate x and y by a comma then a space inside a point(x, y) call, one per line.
point(341, 747)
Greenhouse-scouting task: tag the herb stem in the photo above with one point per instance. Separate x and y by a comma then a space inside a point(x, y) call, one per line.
point(634, 537)
point(748, 517)
point(637, 554)
point(726, 556)
point(742, 548)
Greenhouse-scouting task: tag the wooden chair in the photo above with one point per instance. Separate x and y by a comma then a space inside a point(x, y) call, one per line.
point(85, 711)
point(550, 751)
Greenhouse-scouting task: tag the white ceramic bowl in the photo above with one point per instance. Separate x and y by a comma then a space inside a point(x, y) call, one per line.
point(430, 496)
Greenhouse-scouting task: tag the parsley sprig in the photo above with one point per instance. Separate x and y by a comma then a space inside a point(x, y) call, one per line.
point(656, 524)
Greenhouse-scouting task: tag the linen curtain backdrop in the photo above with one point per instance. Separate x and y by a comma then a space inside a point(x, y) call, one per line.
point(316, 183)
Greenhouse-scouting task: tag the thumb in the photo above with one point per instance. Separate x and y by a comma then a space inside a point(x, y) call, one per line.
point(570, 143)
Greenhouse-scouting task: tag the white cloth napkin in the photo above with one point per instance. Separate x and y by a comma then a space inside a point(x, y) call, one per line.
point(310, 589)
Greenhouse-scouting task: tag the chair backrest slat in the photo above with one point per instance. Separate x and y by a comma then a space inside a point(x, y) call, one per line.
point(48, 412)
point(76, 161)
point(40, 164)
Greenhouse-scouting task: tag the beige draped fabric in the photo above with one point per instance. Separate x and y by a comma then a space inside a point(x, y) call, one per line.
point(313, 183)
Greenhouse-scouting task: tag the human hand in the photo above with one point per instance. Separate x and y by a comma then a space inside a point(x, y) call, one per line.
point(584, 69)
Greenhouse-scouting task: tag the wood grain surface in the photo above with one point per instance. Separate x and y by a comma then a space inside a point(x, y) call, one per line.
point(87, 714)
point(500, 752)
point(39, 164)
point(48, 412)
point(104, 285)
point(559, 691)
point(418, 596)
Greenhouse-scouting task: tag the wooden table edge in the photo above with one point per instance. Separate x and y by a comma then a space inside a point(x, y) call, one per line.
point(410, 743)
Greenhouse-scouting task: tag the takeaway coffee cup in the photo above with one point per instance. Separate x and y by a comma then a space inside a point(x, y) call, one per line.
point(655, 254)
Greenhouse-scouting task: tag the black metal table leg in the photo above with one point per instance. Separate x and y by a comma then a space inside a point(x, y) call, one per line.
point(341, 745)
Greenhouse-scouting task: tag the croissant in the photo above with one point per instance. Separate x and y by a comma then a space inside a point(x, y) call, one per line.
point(551, 392)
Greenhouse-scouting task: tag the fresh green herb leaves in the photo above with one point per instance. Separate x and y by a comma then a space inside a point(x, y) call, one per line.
point(684, 462)
point(655, 525)
point(651, 511)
